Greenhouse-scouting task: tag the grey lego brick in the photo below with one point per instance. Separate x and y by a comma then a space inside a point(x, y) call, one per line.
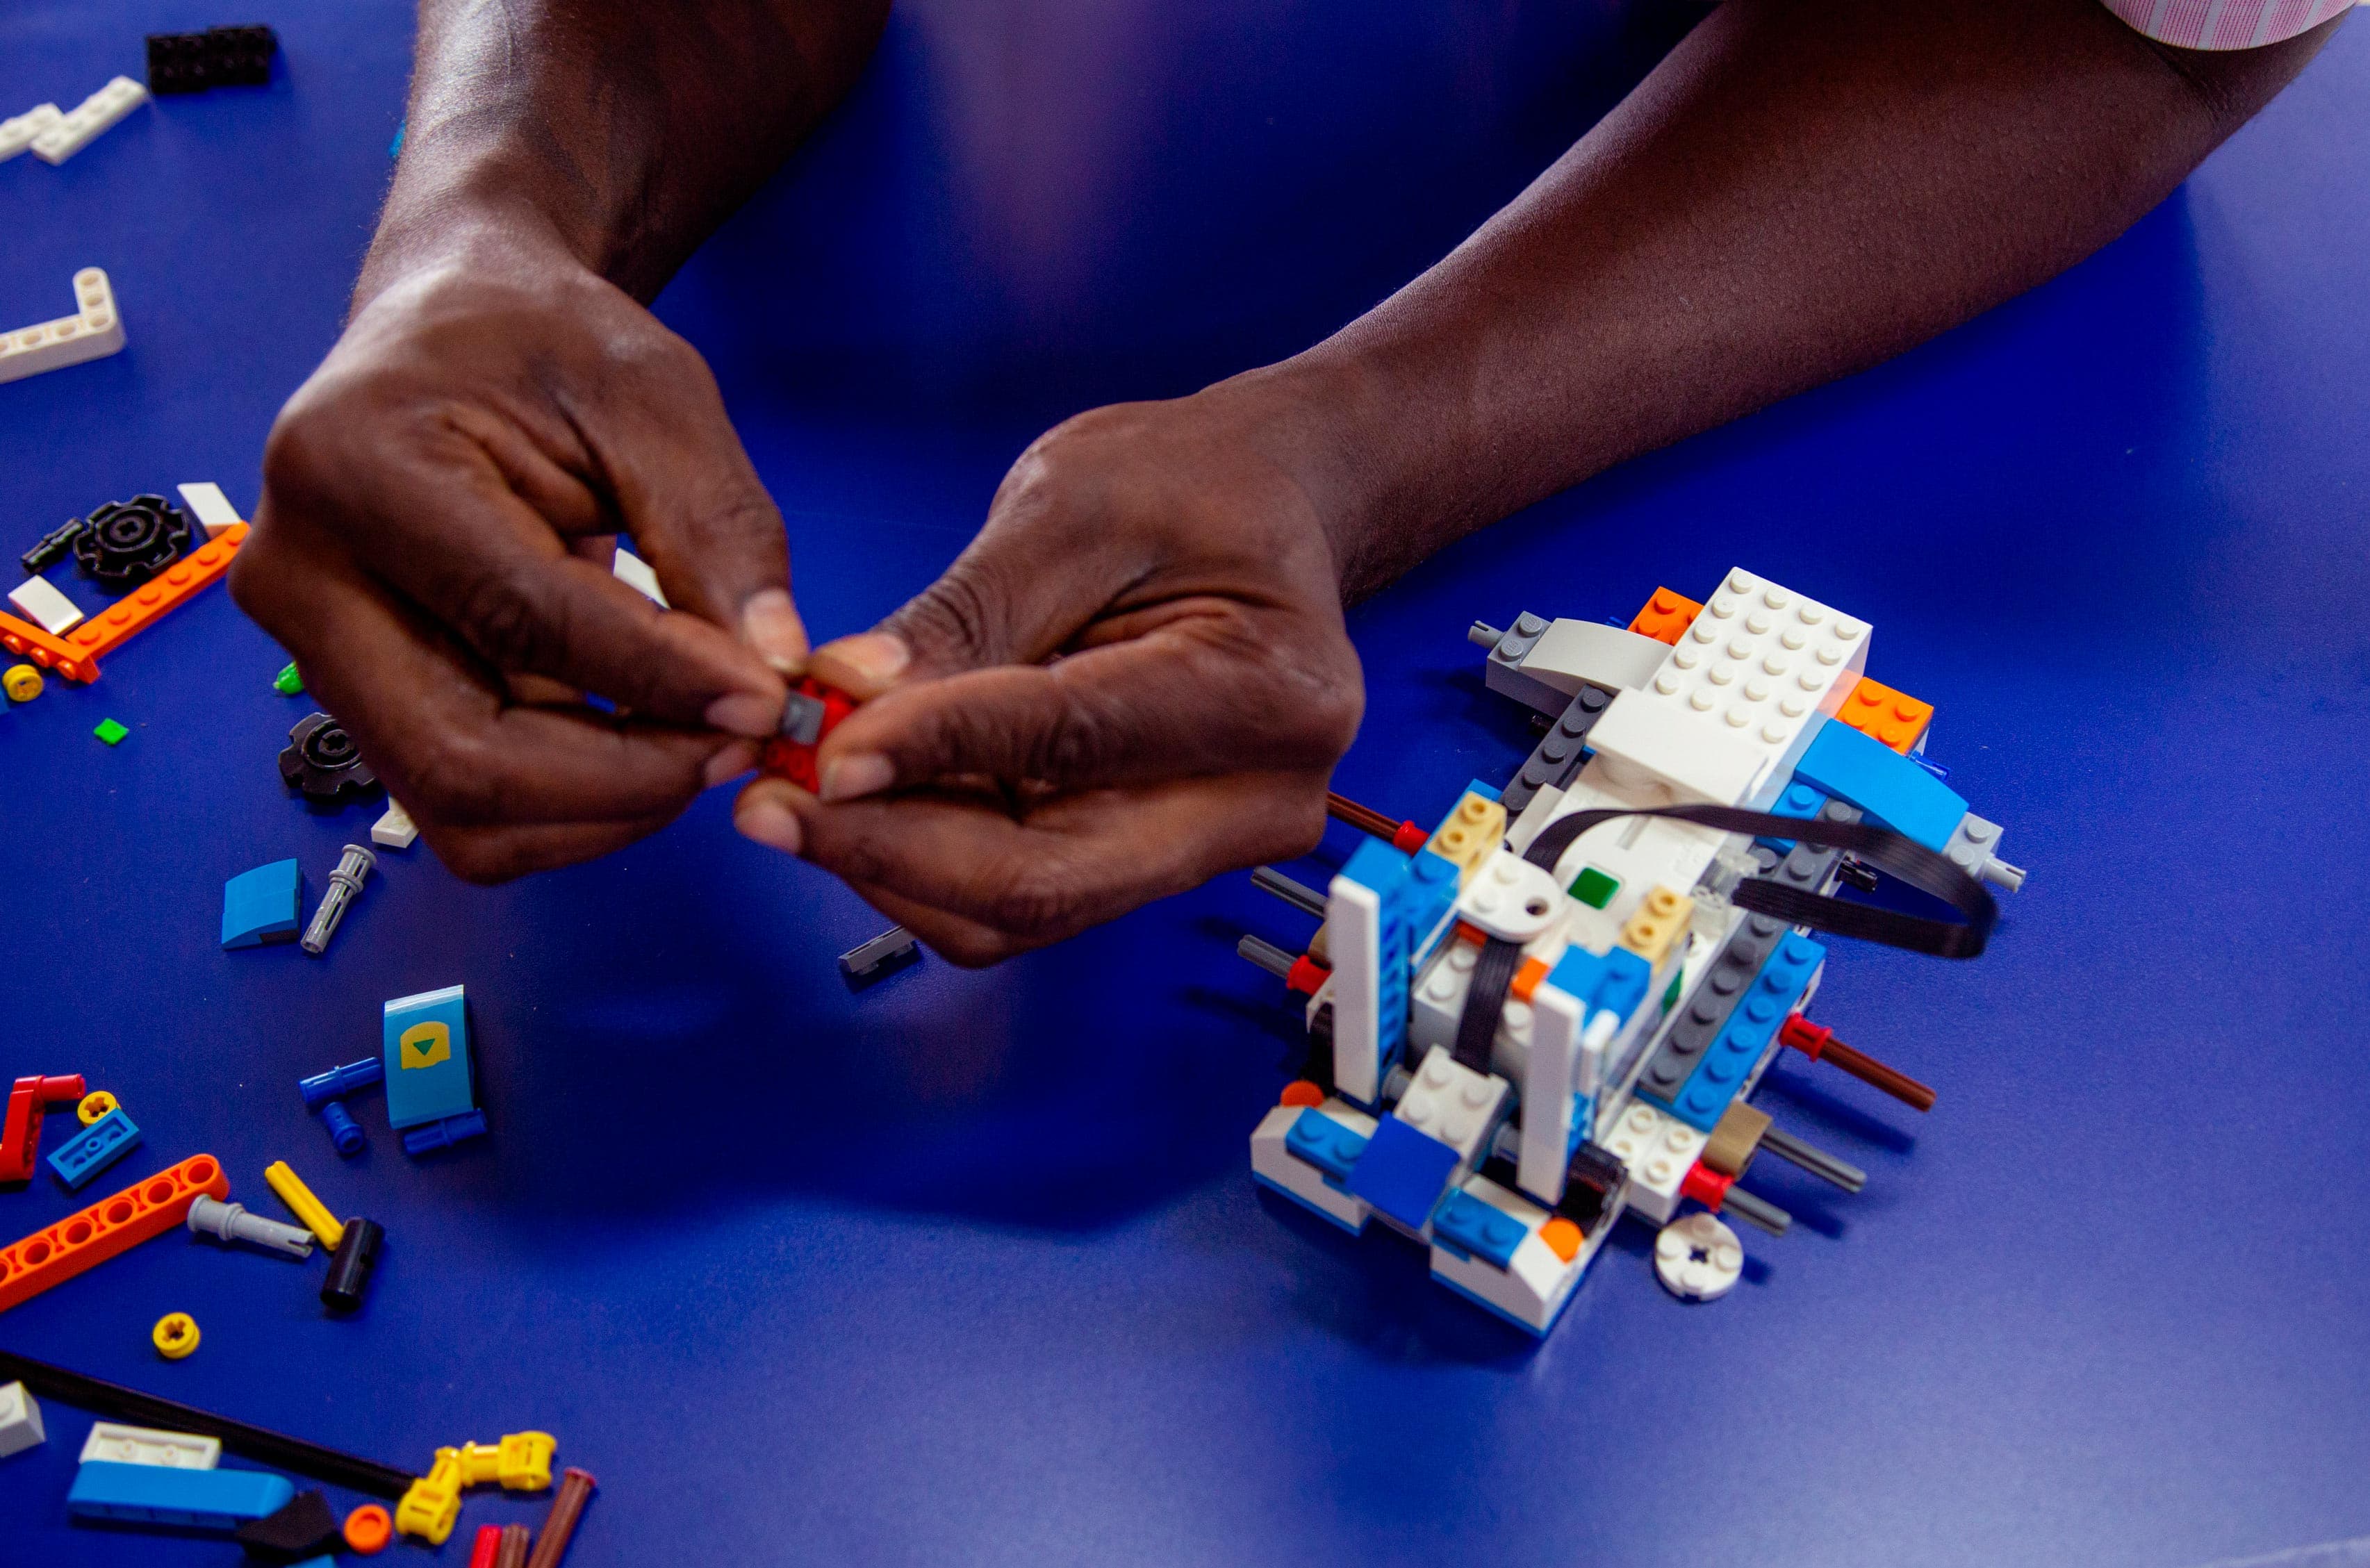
point(1502, 670)
point(1556, 759)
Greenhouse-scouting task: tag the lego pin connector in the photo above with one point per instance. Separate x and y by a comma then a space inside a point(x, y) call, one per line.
point(345, 883)
point(231, 1222)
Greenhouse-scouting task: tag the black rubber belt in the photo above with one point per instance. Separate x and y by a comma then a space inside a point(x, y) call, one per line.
point(1880, 846)
point(1485, 999)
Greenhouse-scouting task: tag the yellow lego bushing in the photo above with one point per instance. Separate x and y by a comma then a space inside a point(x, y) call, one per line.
point(94, 1104)
point(175, 1335)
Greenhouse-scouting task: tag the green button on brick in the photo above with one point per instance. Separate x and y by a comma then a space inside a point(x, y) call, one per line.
point(110, 731)
point(288, 682)
point(1595, 889)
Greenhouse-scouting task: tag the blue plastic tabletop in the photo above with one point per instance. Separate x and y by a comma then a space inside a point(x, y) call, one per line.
point(969, 1267)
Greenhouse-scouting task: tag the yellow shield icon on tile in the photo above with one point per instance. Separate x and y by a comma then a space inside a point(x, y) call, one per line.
point(425, 1044)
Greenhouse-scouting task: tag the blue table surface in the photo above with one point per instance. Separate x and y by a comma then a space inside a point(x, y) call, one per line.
point(969, 1268)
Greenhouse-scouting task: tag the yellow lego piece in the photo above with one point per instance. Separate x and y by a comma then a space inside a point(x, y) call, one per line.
point(304, 1205)
point(94, 1104)
point(1473, 833)
point(520, 1461)
point(1661, 919)
point(433, 1506)
point(175, 1335)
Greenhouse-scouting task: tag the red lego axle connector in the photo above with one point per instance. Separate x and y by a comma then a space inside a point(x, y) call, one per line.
point(1819, 1043)
point(813, 712)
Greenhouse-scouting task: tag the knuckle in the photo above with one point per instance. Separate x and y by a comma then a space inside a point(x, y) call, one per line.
point(954, 623)
point(448, 779)
point(507, 621)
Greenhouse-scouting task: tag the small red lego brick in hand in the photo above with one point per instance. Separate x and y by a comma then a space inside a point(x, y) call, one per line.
point(813, 711)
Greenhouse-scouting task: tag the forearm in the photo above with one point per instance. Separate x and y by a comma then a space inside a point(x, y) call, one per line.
point(621, 130)
point(1803, 188)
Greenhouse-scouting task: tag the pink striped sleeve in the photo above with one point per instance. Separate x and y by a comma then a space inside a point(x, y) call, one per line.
point(2225, 23)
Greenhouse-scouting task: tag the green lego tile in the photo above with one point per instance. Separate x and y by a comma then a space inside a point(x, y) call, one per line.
point(1595, 889)
point(288, 682)
point(110, 731)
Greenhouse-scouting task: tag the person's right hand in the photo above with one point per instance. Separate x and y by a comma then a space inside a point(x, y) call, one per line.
point(430, 547)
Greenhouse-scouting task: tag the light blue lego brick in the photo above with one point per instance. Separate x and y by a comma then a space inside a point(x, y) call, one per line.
point(1881, 782)
point(1483, 1230)
point(444, 1134)
point(426, 1046)
point(1324, 1143)
point(261, 905)
point(1731, 1056)
point(1402, 1172)
point(1428, 895)
point(94, 1149)
point(1487, 791)
point(1800, 801)
point(1376, 865)
point(1617, 980)
point(215, 1500)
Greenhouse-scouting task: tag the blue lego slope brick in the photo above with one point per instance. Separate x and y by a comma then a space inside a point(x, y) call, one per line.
point(94, 1149)
point(219, 1500)
point(1402, 1172)
point(1322, 1142)
point(261, 905)
point(1482, 1230)
point(427, 1054)
point(1706, 1093)
point(1882, 783)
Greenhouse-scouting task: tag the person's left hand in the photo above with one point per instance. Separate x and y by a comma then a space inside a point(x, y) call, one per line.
point(1136, 677)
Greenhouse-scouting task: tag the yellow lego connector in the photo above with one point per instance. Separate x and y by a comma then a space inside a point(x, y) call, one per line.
point(1659, 920)
point(520, 1461)
point(94, 1105)
point(1471, 835)
point(433, 1506)
point(304, 1205)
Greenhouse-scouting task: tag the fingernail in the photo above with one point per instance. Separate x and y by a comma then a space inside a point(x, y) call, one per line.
point(771, 624)
point(763, 818)
point(851, 778)
point(879, 656)
point(731, 763)
point(744, 713)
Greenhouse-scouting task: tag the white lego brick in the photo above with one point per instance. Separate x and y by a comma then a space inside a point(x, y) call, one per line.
point(1452, 1102)
point(20, 1421)
point(18, 134)
point(144, 1446)
point(1510, 898)
point(1354, 923)
point(1277, 1166)
point(1436, 1000)
point(1535, 1285)
point(90, 119)
point(45, 606)
point(1636, 851)
point(396, 829)
point(1655, 753)
point(635, 572)
point(1550, 1070)
point(1659, 1151)
point(1573, 654)
point(209, 507)
point(1762, 664)
point(94, 331)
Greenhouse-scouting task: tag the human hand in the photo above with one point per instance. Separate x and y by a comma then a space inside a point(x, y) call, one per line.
point(432, 546)
point(1134, 678)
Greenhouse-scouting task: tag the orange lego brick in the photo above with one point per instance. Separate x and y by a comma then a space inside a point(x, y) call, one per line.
point(1884, 714)
point(150, 1206)
point(29, 641)
point(109, 629)
point(1665, 616)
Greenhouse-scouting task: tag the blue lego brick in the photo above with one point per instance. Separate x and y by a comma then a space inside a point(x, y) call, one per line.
point(94, 1149)
point(427, 1053)
point(444, 1134)
point(1487, 791)
point(1482, 1230)
point(1402, 1172)
point(261, 905)
point(1376, 865)
point(338, 1082)
point(216, 1500)
point(1882, 783)
point(1747, 1033)
point(1617, 980)
point(1800, 801)
point(1324, 1143)
point(1427, 895)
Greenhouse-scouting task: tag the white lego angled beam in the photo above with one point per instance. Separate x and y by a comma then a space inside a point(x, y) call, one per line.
point(1573, 654)
point(94, 331)
point(209, 507)
point(396, 830)
point(45, 606)
point(18, 134)
point(1353, 932)
point(90, 120)
point(635, 572)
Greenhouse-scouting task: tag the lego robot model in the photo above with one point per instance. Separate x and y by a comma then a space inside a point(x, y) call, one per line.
point(1553, 1009)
